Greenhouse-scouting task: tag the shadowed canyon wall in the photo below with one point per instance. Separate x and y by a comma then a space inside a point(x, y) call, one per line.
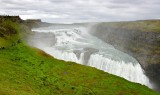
point(136, 39)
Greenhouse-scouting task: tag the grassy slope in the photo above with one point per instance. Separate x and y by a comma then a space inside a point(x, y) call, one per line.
point(28, 71)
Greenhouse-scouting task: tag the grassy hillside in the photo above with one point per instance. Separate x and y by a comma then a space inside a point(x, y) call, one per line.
point(29, 71)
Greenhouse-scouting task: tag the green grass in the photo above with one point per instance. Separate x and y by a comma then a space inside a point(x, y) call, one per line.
point(29, 71)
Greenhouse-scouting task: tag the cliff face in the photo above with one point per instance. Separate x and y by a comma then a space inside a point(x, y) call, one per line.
point(141, 41)
point(35, 23)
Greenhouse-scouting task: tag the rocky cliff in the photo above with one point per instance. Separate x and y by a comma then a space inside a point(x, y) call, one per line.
point(12, 18)
point(141, 39)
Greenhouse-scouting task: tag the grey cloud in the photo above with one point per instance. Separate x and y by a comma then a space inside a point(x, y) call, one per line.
point(128, 1)
point(82, 10)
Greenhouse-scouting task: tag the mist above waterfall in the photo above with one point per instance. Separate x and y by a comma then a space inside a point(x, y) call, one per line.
point(74, 43)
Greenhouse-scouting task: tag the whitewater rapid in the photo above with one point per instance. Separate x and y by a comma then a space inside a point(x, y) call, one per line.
point(74, 43)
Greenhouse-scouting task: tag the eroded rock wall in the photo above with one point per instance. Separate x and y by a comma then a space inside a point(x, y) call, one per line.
point(143, 45)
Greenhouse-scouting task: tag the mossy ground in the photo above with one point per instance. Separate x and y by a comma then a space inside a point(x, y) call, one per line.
point(26, 70)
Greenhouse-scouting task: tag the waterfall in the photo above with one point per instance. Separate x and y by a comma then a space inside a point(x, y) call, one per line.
point(75, 44)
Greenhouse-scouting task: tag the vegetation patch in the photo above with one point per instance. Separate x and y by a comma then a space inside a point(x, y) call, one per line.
point(25, 71)
point(9, 33)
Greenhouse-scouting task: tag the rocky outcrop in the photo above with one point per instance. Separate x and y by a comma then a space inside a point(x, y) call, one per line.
point(142, 44)
point(12, 18)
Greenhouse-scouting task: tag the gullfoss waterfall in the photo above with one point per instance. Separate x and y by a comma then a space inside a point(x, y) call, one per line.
point(74, 43)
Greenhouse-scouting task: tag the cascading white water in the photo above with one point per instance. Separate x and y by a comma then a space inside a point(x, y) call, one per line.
point(75, 44)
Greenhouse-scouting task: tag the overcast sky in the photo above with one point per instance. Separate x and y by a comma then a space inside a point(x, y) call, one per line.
point(68, 11)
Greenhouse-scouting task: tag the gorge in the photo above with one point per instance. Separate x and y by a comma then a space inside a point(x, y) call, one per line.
point(27, 70)
point(87, 45)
